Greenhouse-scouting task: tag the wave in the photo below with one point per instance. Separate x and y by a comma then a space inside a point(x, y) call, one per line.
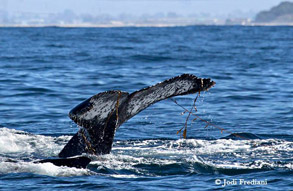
point(151, 58)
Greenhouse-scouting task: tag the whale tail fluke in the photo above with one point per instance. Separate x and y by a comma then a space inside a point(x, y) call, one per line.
point(100, 115)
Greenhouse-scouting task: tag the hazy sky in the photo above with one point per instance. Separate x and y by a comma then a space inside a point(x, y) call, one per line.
point(138, 7)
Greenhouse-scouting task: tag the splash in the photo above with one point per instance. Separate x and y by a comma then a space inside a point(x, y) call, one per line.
point(20, 143)
point(43, 169)
point(148, 158)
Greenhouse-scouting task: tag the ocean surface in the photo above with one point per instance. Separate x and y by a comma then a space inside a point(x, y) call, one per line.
point(45, 72)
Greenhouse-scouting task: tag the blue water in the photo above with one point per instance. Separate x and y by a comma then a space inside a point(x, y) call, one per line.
point(45, 72)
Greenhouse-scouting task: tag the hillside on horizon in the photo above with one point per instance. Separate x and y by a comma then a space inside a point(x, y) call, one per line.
point(280, 14)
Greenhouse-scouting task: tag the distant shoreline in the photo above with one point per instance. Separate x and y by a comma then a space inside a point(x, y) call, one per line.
point(142, 25)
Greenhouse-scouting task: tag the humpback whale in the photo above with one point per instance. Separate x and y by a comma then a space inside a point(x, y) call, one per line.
point(101, 115)
point(77, 162)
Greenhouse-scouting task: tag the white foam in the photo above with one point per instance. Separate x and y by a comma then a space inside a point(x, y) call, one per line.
point(222, 153)
point(41, 168)
point(17, 143)
point(124, 176)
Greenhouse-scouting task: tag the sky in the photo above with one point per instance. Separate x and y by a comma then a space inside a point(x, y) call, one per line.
point(138, 7)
